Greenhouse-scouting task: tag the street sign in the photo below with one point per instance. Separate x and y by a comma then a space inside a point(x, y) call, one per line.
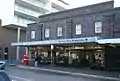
point(52, 47)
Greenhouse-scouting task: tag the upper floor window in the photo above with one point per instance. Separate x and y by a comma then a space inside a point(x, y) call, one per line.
point(78, 29)
point(59, 31)
point(32, 34)
point(47, 32)
point(41, 25)
point(98, 27)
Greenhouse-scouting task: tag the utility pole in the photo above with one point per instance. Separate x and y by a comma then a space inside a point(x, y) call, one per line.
point(51, 58)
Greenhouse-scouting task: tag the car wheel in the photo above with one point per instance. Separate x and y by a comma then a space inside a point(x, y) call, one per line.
point(3, 68)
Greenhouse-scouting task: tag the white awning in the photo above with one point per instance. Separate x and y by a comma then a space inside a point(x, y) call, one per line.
point(57, 41)
point(109, 41)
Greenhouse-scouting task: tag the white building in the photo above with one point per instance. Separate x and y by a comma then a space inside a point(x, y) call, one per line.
point(22, 12)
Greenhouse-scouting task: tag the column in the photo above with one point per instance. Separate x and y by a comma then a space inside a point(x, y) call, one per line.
point(18, 40)
point(51, 58)
point(26, 48)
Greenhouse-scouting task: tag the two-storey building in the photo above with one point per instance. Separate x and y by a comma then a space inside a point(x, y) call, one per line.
point(77, 37)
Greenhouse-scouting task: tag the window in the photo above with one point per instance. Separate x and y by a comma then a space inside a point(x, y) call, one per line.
point(78, 29)
point(32, 34)
point(41, 25)
point(46, 33)
point(59, 31)
point(98, 27)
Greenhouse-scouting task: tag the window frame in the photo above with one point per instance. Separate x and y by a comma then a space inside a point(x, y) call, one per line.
point(98, 29)
point(31, 33)
point(47, 36)
point(76, 29)
point(59, 31)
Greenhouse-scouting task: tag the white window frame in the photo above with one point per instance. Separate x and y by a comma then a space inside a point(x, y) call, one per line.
point(47, 33)
point(78, 29)
point(33, 34)
point(98, 27)
point(59, 31)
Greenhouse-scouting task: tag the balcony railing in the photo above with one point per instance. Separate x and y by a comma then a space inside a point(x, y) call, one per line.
point(26, 11)
point(37, 3)
point(21, 21)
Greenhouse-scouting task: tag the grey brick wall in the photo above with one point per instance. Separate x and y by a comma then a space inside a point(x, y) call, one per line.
point(86, 16)
point(77, 11)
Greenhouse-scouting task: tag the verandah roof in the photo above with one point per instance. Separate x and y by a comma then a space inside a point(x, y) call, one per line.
point(57, 41)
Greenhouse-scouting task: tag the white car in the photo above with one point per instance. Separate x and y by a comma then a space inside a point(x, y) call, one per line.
point(2, 65)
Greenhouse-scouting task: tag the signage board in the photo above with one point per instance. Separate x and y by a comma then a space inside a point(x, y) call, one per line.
point(57, 41)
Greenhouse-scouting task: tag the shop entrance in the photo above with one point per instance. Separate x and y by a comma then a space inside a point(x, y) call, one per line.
point(43, 52)
point(82, 58)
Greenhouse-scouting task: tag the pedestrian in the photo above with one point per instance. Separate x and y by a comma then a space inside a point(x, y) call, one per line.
point(36, 62)
point(39, 61)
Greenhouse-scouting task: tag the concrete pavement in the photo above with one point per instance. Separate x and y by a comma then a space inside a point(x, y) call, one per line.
point(75, 73)
point(18, 74)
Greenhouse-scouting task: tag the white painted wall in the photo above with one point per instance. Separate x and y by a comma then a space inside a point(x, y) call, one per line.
point(7, 11)
point(60, 3)
point(80, 3)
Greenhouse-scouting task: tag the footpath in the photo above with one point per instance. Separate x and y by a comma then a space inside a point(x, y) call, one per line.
point(84, 72)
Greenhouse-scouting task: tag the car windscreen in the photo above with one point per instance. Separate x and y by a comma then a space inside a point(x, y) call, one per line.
point(1, 63)
point(3, 77)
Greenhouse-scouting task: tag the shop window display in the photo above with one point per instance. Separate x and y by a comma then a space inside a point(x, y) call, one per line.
point(77, 56)
point(98, 60)
point(62, 59)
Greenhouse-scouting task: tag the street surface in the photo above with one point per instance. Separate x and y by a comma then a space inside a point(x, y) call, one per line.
point(29, 75)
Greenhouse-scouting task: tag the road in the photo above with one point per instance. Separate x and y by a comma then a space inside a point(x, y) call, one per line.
point(28, 75)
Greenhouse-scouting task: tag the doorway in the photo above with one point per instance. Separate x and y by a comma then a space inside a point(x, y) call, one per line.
point(6, 53)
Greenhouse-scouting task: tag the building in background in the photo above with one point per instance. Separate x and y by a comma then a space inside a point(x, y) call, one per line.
point(8, 35)
point(16, 14)
point(22, 12)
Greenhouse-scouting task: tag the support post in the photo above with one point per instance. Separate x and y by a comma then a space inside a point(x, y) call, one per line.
point(51, 58)
point(69, 60)
point(18, 40)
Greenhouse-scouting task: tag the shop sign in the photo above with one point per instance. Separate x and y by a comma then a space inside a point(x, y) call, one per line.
point(77, 40)
point(58, 41)
point(71, 40)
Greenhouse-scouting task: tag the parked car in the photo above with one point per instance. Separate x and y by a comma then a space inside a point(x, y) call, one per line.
point(4, 76)
point(2, 65)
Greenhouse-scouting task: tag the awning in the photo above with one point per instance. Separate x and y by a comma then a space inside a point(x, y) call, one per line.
point(109, 41)
point(57, 41)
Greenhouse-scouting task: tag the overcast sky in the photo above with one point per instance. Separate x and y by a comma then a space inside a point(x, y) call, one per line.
point(78, 3)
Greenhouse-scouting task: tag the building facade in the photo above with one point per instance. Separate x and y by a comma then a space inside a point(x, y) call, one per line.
point(72, 37)
point(8, 35)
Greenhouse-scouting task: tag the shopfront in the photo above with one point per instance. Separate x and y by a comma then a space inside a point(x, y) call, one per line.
point(112, 53)
point(43, 51)
point(77, 52)
point(80, 55)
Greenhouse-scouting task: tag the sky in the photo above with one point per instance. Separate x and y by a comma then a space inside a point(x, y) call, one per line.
point(79, 3)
